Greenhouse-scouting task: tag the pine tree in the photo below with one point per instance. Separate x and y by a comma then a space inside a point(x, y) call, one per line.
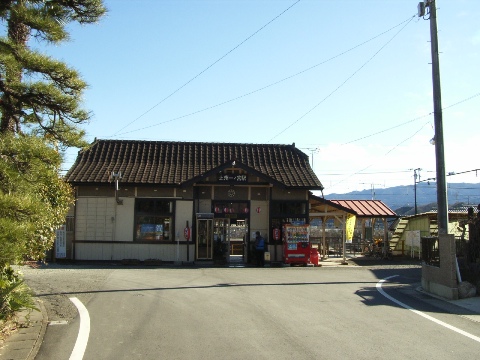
point(41, 114)
point(39, 95)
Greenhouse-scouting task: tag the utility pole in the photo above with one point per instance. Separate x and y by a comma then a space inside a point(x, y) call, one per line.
point(442, 215)
point(314, 151)
point(415, 185)
point(372, 189)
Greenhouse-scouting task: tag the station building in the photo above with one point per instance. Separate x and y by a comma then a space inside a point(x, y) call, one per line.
point(185, 201)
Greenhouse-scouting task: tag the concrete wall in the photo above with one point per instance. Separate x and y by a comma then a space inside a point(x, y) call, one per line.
point(442, 280)
point(119, 251)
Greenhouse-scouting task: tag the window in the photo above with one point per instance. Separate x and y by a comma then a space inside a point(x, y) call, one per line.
point(289, 208)
point(70, 223)
point(153, 220)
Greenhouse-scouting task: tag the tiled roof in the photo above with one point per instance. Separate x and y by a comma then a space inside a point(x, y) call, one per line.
point(321, 205)
point(367, 208)
point(174, 163)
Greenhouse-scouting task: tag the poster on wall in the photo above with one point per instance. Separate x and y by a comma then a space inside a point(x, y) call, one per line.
point(61, 243)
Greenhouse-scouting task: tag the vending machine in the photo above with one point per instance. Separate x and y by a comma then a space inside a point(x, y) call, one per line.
point(296, 244)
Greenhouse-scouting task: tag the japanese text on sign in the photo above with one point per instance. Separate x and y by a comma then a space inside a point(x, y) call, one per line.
point(61, 243)
point(232, 177)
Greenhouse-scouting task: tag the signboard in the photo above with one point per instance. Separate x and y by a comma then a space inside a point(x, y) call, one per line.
point(413, 240)
point(204, 215)
point(61, 243)
point(232, 178)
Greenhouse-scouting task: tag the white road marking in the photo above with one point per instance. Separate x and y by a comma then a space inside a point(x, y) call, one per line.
point(83, 332)
point(439, 322)
point(58, 322)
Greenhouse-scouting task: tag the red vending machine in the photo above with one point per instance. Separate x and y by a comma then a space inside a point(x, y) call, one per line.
point(296, 244)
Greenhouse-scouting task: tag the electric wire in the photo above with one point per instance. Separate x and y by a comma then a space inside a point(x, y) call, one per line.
point(210, 66)
point(409, 121)
point(405, 123)
point(344, 82)
point(266, 86)
point(406, 171)
point(368, 173)
point(388, 152)
point(449, 186)
point(410, 137)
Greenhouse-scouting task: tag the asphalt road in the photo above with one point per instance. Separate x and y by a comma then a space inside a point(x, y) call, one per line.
point(241, 313)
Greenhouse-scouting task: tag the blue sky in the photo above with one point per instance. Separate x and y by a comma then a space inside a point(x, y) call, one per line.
point(349, 82)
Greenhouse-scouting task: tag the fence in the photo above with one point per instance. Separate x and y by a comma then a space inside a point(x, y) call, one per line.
point(334, 245)
point(431, 251)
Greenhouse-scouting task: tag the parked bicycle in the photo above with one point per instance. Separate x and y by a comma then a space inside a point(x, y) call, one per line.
point(377, 251)
point(368, 250)
point(382, 253)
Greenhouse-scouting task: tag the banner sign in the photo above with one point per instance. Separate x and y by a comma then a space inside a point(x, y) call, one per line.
point(61, 243)
point(350, 227)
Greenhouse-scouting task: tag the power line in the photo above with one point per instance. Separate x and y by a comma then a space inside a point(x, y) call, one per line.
point(462, 172)
point(368, 173)
point(264, 87)
point(409, 121)
point(344, 82)
point(210, 66)
point(385, 130)
point(410, 137)
point(422, 181)
point(388, 152)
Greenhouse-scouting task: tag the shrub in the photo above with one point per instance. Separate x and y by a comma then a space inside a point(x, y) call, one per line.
point(15, 295)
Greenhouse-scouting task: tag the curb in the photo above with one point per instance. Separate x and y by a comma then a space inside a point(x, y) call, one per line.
point(43, 328)
point(25, 343)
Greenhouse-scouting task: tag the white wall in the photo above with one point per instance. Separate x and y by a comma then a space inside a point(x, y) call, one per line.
point(124, 220)
point(259, 220)
point(95, 218)
point(102, 219)
point(183, 213)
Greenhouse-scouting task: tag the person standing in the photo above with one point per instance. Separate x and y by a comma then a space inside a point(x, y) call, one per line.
point(259, 249)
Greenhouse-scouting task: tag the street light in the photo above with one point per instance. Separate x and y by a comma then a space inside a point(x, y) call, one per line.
point(415, 185)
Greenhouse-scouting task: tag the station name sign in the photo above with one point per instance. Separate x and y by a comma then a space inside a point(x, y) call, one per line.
point(232, 178)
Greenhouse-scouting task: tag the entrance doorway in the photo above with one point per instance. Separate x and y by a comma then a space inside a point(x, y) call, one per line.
point(221, 239)
point(204, 242)
point(238, 240)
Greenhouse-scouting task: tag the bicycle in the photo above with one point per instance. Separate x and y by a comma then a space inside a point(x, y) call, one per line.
point(383, 255)
point(369, 250)
point(377, 252)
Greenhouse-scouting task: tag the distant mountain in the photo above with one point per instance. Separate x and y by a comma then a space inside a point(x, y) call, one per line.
point(401, 199)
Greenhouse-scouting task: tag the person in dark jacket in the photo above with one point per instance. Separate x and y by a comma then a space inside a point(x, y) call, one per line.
point(259, 249)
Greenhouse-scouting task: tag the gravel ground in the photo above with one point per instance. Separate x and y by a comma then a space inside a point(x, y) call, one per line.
point(54, 284)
